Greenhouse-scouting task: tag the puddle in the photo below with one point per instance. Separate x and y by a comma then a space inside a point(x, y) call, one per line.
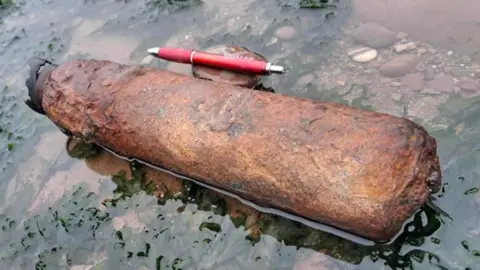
point(67, 211)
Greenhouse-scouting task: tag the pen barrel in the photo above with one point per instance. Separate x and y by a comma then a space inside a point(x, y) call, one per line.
point(243, 65)
point(175, 55)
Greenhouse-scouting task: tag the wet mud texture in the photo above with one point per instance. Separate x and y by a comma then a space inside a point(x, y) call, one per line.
point(360, 171)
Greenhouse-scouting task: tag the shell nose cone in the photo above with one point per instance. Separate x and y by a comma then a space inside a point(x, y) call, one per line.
point(39, 69)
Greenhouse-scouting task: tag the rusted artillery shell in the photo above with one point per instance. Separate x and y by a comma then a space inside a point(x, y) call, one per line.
point(361, 171)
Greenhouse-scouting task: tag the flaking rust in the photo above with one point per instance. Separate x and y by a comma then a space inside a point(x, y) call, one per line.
point(360, 171)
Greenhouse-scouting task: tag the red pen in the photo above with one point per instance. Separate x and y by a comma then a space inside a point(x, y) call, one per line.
point(222, 61)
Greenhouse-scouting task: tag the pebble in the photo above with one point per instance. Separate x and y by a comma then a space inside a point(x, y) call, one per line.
point(442, 82)
point(468, 85)
point(402, 35)
point(399, 48)
point(467, 59)
point(396, 84)
point(272, 41)
point(396, 96)
point(147, 60)
point(362, 55)
point(306, 79)
point(429, 73)
point(414, 81)
point(399, 66)
point(477, 74)
point(449, 53)
point(373, 35)
point(421, 51)
point(286, 32)
point(459, 72)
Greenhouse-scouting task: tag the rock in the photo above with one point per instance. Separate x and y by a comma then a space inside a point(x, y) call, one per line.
point(421, 51)
point(449, 53)
point(305, 79)
point(396, 96)
point(398, 66)
point(363, 54)
point(286, 32)
point(467, 59)
point(147, 60)
point(429, 73)
point(225, 76)
point(373, 35)
point(272, 41)
point(442, 83)
point(414, 81)
point(459, 72)
point(459, 128)
point(468, 85)
point(402, 35)
point(477, 74)
point(396, 84)
point(399, 48)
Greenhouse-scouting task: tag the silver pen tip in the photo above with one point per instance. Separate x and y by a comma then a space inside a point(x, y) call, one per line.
point(153, 51)
point(276, 69)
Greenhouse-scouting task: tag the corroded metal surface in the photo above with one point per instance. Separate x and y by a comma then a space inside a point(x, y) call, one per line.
point(220, 75)
point(360, 171)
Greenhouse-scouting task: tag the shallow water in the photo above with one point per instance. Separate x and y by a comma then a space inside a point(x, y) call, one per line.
point(62, 210)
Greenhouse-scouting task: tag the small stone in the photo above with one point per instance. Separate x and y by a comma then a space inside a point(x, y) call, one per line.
point(147, 60)
point(286, 32)
point(402, 35)
point(363, 54)
point(396, 96)
point(399, 48)
point(459, 128)
point(467, 59)
point(477, 74)
point(429, 73)
point(438, 61)
point(305, 79)
point(468, 85)
point(341, 80)
point(421, 51)
point(442, 83)
point(272, 41)
point(414, 81)
point(396, 84)
point(373, 35)
point(459, 72)
point(399, 66)
point(449, 53)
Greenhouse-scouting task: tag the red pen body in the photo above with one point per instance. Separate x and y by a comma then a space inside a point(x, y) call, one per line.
point(237, 64)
